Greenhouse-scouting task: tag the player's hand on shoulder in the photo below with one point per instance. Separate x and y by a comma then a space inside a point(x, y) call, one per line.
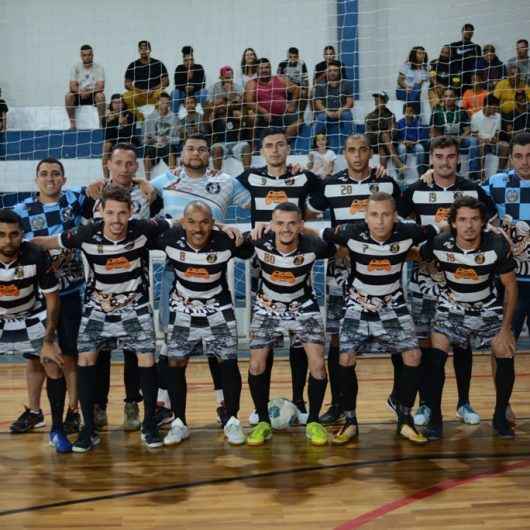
point(259, 230)
point(428, 177)
point(380, 172)
point(147, 189)
point(95, 189)
point(295, 169)
point(234, 233)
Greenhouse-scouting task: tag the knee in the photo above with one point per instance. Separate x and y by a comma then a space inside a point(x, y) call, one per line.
point(412, 358)
point(256, 366)
point(318, 369)
point(177, 363)
point(347, 359)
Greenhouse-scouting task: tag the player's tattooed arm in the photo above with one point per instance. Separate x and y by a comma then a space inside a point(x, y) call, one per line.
point(47, 242)
point(50, 349)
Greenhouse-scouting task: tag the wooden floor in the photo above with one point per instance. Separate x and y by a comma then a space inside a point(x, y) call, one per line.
point(468, 480)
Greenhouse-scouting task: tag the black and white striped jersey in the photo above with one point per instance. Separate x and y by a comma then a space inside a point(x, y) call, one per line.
point(200, 274)
point(470, 275)
point(117, 272)
point(267, 192)
point(23, 280)
point(376, 266)
point(286, 278)
point(347, 198)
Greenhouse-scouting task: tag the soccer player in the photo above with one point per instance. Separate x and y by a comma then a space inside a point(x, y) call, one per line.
point(468, 309)
point(285, 301)
point(52, 211)
point(202, 317)
point(116, 310)
point(429, 203)
point(27, 325)
point(376, 311)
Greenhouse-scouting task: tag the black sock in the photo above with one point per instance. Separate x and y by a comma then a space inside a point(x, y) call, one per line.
point(217, 374)
point(397, 362)
point(86, 382)
point(463, 364)
point(407, 388)
point(177, 389)
point(316, 390)
point(56, 390)
point(333, 370)
point(232, 386)
point(268, 371)
point(102, 389)
point(148, 383)
point(131, 377)
point(161, 367)
point(348, 387)
point(504, 380)
point(435, 370)
point(423, 378)
point(298, 361)
point(259, 390)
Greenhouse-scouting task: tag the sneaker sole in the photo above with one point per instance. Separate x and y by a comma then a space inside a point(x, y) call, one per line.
point(80, 451)
point(256, 444)
point(461, 418)
point(22, 431)
point(319, 443)
point(156, 445)
point(175, 442)
point(232, 442)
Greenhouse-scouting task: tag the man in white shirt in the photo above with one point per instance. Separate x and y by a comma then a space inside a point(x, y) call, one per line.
point(486, 126)
point(86, 87)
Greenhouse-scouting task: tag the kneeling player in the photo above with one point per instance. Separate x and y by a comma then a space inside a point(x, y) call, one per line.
point(285, 302)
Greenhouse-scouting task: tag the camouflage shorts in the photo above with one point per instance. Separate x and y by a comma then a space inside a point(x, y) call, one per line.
point(23, 335)
point(422, 309)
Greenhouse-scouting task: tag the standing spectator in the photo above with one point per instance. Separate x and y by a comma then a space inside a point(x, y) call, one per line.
point(192, 123)
point(412, 74)
point(249, 66)
point(465, 55)
point(380, 125)
point(486, 127)
point(321, 158)
point(4, 109)
point(440, 71)
point(190, 80)
point(333, 101)
point(517, 121)
point(145, 80)
point(413, 137)
point(491, 67)
point(522, 60)
point(321, 68)
point(436, 94)
point(87, 85)
point(296, 71)
point(506, 89)
point(473, 98)
point(161, 136)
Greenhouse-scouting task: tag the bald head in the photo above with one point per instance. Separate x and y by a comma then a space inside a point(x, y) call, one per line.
point(198, 205)
point(197, 222)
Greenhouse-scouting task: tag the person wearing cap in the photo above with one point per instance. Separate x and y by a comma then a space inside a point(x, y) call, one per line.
point(224, 91)
point(190, 80)
point(465, 56)
point(505, 90)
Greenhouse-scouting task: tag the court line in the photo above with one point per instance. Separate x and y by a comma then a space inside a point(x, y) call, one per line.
point(440, 487)
point(257, 476)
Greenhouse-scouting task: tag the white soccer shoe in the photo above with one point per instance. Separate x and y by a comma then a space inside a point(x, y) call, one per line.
point(422, 416)
point(468, 414)
point(177, 433)
point(253, 419)
point(233, 432)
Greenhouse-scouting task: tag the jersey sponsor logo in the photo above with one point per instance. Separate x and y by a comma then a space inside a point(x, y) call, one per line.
point(118, 263)
point(512, 196)
point(196, 272)
point(290, 181)
point(276, 197)
point(211, 258)
point(379, 265)
point(394, 248)
point(358, 205)
point(283, 277)
point(7, 291)
point(213, 187)
point(19, 273)
point(374, 188)
point(268, 258)
point(463, 273)
point(298, 260)
point(480, 259)
point(441, 215)
point(451, 257)
point(182, 256)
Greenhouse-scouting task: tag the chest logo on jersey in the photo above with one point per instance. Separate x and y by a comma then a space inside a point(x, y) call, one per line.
point(394, 248)
point(211, 258)
point(451, 257)
point(19, 273)
point(117, 263)
point(379, 265)
point(268, 258)
point(67, 214)
point(374, 188)
point(283, 277)
point(290, 181)
point(358, 205)
point(37, 222)
point(441, 215)
point(512, 196)
point(8, 291)
point(213, 187)
point(276, 197)
point(196, 272)
point(480, 259)
point(463, 273)
point(298, 260)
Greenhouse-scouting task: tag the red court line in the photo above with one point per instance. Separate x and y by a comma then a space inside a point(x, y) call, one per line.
point(445, 485)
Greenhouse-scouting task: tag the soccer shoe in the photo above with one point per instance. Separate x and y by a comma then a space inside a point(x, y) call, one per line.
point(131, 417)
point(510, 416)
point(467, 414)
point(502, 427)
point(406, 430)
point(151, 438)
point(233, 432)
point(348, 432)
point(260, 434)
point(392, 404)
point(434, 431)
point(72, 422)
point(163, 416)
point(422, 416)
point(100, 417)
point(333, 415)
point(27, 421)
point(222, 415)
point(301, 412)
point(177, 433)
point(59, 440)
point(316, 434)
point(85, 442)
point(253, 419)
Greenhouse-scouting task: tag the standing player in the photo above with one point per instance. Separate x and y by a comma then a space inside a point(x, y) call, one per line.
point(285, 301)
point(376, 311)
point(429, 204)
point(202, 318)
point(27, 325)
point(468, 309)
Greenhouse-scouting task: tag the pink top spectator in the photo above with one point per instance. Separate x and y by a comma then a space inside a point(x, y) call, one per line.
point(272, 96)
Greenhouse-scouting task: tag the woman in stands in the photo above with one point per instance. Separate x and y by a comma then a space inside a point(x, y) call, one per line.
point(412, 74)
point(249, 66)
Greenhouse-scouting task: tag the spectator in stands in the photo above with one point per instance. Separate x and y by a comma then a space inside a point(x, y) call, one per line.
point(465, 55)
point(506, 89)
point(486, 127)
point(296, 71)
point(321, 159)
point(491, 67)
point(249, 66)
point(192, 123)
point(380, 126)
point(190, 80)
point(517, 121)
point(440, 68)
point(161, 139)
point(321, 68)
point(450, 120)
point(4, 109)
point(412, 74)
point(333, 102)
point(268, 96)
point(473, 98)
point(145, 79)
point(413, 137)
point(436, 94)
point(522, 60)
point(86, 87)
point(223, 92)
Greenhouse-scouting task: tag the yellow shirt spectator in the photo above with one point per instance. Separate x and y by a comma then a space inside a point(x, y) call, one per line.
point(506, 88)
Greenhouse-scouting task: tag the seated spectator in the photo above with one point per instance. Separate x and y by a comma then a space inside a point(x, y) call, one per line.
point(517, 121)
point(506, 89)
point(473, 98)
point(486, 127)
point(268, 97)
point(413, 137)
point(120, 126)
point(145, 80)
point(450, 120)
point(223, 92)
point(161, 138)
point(491, 68)
point(4, 109)
point(380, 127)
point(86, 87)
point(412, 74)
point(321, 68)
point(465, 55)
point(321, 158)
point(296, 71)
point(436, 94)
point(522, 60)
point(190, 80)
point(192, 123)
point(249, 66)
point(440, 68)
point(333, 101)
